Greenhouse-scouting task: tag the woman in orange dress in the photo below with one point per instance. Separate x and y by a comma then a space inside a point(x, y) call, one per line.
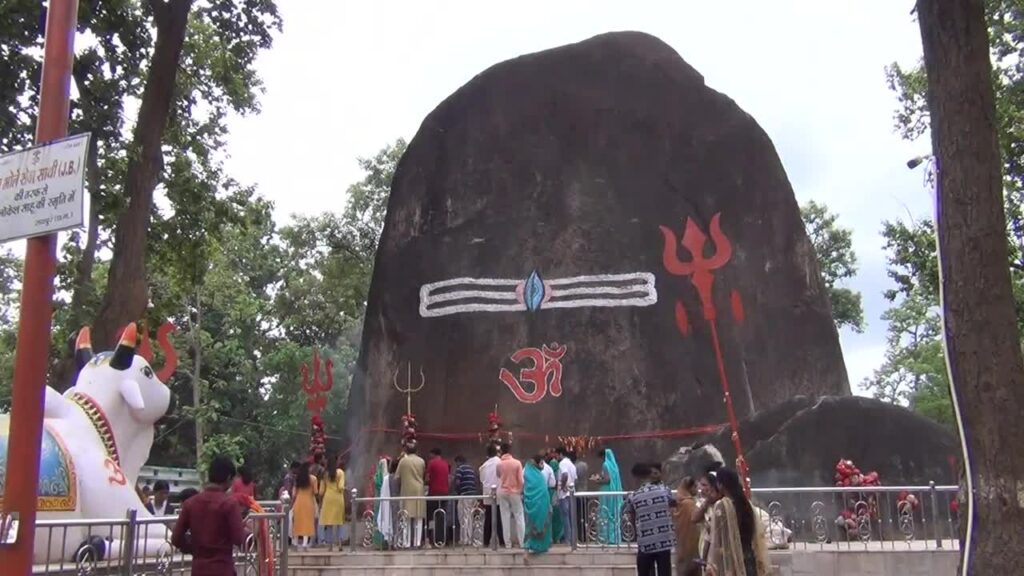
point(304, 507)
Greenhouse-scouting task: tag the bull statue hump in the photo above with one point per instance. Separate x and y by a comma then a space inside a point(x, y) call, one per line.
point(96, 438)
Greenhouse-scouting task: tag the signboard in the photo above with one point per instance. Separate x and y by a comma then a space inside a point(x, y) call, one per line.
point(42, 189)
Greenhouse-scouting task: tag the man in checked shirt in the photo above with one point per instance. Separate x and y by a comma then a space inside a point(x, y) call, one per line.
point(650, 507)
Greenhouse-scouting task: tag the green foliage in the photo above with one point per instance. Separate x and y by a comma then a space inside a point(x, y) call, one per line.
point(231, 445)
point(251, 300)
point(8, 340)
point(932, 400)
point(215, 76)
point(1006, 36)
point(910, 85)
point(333, 257)
point(268, 296)
point(10, 289)
point(20, 38)
point(913, 261)
point(914, 371)
point(914, 356)
point(10, 286)
point(833, 245)
point(368, 199)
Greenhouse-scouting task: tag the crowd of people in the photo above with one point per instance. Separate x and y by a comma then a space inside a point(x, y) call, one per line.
point(709, 522)
point(317, 491)
point(533, 499)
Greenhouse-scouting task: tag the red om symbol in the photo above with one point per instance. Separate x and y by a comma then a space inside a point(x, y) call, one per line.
point(546, 373)
point(117, 476)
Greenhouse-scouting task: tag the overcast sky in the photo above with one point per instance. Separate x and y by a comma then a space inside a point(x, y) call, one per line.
point(347, 77)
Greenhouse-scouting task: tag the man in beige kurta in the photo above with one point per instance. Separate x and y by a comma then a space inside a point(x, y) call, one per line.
point(411, 470)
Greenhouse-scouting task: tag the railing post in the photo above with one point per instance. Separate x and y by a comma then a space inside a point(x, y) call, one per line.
point(572, 517)
point(355, 516)
point(285, 532)
point(494, 517)
point(129, 543)
point(935, 513)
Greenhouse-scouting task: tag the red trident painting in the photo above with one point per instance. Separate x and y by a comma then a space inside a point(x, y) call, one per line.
point(316, 391)
point(700, 269)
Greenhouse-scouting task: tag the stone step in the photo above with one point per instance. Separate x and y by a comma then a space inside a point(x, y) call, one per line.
point(557, 562)
point(555, 557)
point(420, 570)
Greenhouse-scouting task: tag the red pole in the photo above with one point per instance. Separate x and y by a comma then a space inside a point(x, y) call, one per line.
point(32, 355)
point(741, 462)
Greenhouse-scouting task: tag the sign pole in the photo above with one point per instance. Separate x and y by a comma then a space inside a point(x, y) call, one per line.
point(35, 314)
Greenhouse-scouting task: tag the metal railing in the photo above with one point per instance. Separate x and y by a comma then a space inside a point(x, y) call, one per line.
point(449, 521)
point(879, 518)
point(873, 518)
point(876, 517)
point(134, 546)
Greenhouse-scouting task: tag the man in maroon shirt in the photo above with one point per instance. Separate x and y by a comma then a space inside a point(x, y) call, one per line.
point(210, 524)
point(437, 485)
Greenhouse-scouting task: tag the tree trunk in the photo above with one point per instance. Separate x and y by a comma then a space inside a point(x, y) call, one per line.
point(982, 342)
point(67, 371)
point(126, 295)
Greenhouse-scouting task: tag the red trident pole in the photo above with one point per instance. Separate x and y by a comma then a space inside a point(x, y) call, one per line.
point(316, 400)
point(700, 270)
point(26, 426)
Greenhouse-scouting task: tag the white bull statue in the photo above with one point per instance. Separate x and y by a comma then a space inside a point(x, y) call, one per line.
point(96, 437)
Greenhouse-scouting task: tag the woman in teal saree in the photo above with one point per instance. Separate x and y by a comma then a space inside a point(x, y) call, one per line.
point(537, 507)
point(610, 519)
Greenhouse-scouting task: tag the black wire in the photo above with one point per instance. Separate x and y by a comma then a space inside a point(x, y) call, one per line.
point(248, 423)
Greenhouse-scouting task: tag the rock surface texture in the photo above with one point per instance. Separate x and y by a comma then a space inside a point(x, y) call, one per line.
point(534, 257)
point(798, 443)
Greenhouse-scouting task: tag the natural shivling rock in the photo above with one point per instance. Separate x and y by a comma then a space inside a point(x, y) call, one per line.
point(799, 442)
point(547, 232)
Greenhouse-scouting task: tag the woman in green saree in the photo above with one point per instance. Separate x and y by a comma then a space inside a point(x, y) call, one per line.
point(537, 507)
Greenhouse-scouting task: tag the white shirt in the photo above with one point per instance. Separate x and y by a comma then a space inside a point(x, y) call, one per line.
point(489, 474)
point(549, 475)
point(566, 468)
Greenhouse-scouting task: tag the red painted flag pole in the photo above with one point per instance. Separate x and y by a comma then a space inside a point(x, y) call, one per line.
point(31, 357)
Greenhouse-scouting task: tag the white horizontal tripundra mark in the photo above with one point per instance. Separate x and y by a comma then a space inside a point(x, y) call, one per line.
point(461, 295)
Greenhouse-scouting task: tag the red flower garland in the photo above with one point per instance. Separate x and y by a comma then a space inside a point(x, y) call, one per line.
point(318, 439)
point(408, 431)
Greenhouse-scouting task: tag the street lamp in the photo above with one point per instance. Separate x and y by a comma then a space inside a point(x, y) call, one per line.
point(917, 161)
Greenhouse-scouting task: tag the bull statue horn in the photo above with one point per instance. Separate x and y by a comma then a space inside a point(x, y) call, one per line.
point(125, 351)
point(83, 347)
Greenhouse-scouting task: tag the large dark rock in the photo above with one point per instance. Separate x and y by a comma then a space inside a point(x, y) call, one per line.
point(566, 162)
point(798, 443)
